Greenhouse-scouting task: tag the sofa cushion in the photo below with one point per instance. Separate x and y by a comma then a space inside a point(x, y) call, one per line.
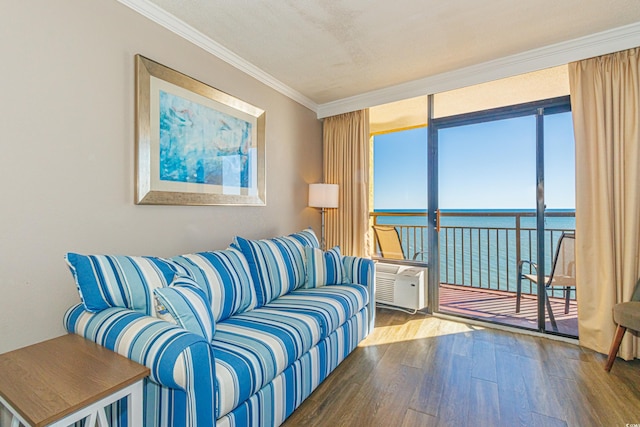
point(105, 281)
point(330, 306)
point(323, 268)
point(254, 347)
point(188, 305)
point(225, 278)
point(274, 403)
point(277, 265)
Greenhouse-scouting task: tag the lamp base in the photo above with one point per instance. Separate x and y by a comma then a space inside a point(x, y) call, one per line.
point(323, 242)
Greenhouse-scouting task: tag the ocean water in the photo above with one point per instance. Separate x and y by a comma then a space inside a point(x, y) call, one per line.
point(482, 251)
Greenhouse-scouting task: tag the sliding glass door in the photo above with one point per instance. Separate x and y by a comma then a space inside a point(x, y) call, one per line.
point(488, 188)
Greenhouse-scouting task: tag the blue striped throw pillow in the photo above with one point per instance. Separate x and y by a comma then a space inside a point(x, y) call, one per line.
point(277, 265)
point(188, 305)
point(324, 268)
point(225, 278)
point(307, 238)
point(105, 281)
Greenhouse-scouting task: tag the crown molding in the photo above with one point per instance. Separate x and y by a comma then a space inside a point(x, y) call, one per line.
point(614, 40)
point(549, 56)
point(182, 29)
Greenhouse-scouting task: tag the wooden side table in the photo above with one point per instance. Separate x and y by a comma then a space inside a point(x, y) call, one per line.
point(67, 379)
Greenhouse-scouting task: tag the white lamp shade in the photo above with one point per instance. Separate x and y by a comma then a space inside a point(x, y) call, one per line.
point(323, 195)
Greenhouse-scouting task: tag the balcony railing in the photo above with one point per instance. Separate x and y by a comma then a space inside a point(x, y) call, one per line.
point(481, 249)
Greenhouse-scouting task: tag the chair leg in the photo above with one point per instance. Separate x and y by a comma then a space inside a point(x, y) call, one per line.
point(552, 318)
point(518, 290)
point(615, 345)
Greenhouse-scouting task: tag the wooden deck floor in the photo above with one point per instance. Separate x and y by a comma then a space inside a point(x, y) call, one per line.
point(500, 307)
point(426, 371)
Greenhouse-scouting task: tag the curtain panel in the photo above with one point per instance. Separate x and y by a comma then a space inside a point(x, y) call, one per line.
point(605, 99)
point(346, 163)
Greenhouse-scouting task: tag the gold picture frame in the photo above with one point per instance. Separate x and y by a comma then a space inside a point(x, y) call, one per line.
point(195, 145)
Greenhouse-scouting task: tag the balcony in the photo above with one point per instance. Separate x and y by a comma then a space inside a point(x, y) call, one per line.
point(479, 255)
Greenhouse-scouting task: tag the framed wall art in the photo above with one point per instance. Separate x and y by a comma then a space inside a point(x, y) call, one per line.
point(195, 145)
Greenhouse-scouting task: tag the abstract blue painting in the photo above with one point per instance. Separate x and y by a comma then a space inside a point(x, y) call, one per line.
point(195, 145)
point(202, 145)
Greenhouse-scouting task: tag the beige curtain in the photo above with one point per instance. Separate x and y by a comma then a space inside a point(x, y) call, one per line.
point(605, 99)
point(346, 163)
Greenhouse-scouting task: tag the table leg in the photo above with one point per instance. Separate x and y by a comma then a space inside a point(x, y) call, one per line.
point(16, 419)
point(135, 405)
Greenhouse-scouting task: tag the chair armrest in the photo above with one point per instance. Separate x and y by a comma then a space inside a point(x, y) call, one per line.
point(177, 358)
point(415, 257)
point(521, 263)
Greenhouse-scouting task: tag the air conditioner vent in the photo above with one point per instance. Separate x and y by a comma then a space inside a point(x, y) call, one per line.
point(384, 288)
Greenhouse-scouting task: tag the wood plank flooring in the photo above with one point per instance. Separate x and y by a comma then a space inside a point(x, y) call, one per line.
point(424, 371)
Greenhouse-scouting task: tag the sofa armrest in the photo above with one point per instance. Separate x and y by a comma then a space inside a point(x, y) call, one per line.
point(363, 271)
point(359, 270)
point(177, 358)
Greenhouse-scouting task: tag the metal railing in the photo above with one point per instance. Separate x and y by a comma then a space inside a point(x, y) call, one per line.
point(481, 249)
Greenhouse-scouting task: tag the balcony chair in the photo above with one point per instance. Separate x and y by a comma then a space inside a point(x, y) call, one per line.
point(627, 316)
point(563, 275)
point(390, 245)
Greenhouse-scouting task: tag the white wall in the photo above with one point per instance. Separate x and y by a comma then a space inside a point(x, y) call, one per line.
point(67, 165)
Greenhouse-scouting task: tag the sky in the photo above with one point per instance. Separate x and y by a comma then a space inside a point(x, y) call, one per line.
point(489, 165)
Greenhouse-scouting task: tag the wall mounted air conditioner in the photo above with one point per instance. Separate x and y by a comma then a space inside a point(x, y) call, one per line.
point(401, 285)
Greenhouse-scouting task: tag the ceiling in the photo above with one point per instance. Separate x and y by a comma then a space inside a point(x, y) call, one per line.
point(330, 50)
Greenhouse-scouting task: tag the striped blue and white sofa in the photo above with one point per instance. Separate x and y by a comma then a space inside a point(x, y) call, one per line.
point(236, 337)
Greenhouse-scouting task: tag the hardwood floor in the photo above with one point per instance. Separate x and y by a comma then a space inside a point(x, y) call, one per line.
point(425, 371)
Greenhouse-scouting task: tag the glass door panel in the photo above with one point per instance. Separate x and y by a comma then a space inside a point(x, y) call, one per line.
point(559, 190)
point(487, 198)
point(400, 189)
